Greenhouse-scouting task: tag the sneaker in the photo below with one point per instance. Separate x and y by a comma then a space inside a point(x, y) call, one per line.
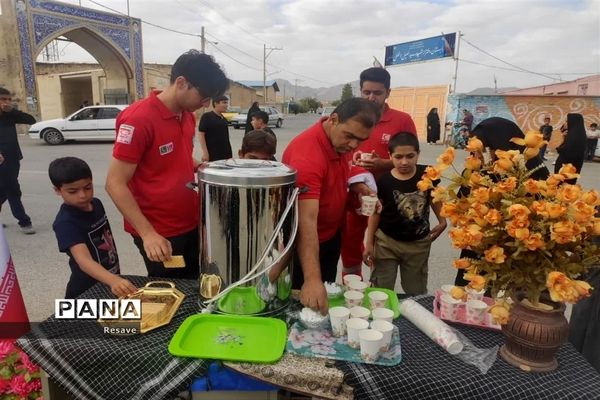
point(28, 230)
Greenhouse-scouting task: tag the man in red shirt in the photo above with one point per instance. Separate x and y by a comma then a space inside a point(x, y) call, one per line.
point(375, 87)
point(322, 156)
point(152, 163)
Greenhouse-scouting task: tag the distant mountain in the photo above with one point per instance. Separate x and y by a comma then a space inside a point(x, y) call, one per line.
point(289, 89)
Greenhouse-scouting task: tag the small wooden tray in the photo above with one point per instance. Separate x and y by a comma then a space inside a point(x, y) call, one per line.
point(462, 313)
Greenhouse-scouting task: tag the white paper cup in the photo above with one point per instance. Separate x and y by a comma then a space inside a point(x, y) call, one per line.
point(476, 311)
point(359, 286)
point(354, 326)
point(386, 329)
point(474, 294)
point(338, 316)
point(449, 307)
point(366, 156)
point(447, 288)
point(360, 312)
point(377, 299)
point(348, 278)
point(384, 314)
point(370, 343)
point(446, 338)
point(367, 205)
point(353, 298)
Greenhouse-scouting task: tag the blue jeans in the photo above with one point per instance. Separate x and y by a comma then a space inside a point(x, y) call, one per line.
point(11, 190)
point(543, 151)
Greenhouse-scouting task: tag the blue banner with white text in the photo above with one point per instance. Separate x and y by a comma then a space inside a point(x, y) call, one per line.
point(421, 50)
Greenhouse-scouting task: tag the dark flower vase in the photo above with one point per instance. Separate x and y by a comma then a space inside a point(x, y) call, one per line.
point(534, 335)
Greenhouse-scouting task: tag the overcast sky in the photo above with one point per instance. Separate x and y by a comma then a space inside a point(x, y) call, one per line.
point(328, 42)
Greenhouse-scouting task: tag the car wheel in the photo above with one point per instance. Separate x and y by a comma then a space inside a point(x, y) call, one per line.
point(279, 123)
point(53, 136)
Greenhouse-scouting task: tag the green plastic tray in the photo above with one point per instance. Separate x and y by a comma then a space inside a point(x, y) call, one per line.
point(230, 337)
point(392, 302)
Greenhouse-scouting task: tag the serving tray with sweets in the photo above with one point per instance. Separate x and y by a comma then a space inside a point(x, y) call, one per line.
point(461, 315)
point(159, 301)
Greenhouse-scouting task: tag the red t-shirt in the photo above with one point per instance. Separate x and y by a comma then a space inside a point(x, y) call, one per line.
point(324, 172)
point(161, 144)
point(391, 123)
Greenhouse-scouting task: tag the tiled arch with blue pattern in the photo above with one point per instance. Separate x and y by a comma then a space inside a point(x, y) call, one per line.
point(40, 20)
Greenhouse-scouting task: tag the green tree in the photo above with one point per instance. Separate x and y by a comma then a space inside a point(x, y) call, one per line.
point(346, 92)
point(310, 104)
point(335, 103)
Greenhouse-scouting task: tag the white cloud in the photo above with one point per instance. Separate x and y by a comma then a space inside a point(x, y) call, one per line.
point(330, 42)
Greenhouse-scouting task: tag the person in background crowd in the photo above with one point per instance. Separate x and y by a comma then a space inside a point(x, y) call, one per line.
point(572, 150)
point(433, 126)
point(322, 156)
point(260, 120)
point(10, 159)
point(258, 145)
point(374, 86)
point(400, 236)
point(546, 131)
point(253, 109)
point(592, 141)
point(213, 132)
point(83, 231)
point(467, 119)
point(152, 163)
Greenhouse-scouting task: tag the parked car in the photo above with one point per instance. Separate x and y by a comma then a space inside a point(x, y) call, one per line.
point(327, 111)
point(88, 123)
point(231, 113)
point(275, 117)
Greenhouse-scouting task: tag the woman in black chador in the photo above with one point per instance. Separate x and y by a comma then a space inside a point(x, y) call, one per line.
point(433, 126)
point(254, 108)
point(572, 150)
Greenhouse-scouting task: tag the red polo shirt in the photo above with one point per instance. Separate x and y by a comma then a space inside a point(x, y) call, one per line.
point(391, 123)
point(161, 144)
point(324, 172)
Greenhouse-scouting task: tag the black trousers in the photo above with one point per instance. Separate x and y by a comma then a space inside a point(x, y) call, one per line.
point(590, 149)
point(329, 255)
point(11, 190)
point(186, 245)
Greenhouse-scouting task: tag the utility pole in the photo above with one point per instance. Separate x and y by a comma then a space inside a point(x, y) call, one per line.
point(203, 40)
point(296, 87)
point(456, 61)
point(265, 55)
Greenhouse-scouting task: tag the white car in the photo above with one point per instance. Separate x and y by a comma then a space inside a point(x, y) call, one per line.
point(327, 111)
point(275, 118)
point(89, 123)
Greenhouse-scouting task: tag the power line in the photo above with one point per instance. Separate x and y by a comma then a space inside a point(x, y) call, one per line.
point(518, 70)
point(512, 65)
point(230, 21)
point(236, 60)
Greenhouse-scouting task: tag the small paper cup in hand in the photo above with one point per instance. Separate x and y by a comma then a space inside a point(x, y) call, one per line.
point(360, 312)
point(353, 298)
point(476, 311)
point(359, 286)
point(384, 314)
point(386, 329)
point(449, 307)
point(370, 343)
point(338, 316)
point(349, 278)
point(354, 326)
point(367, 205)
point(377, 299)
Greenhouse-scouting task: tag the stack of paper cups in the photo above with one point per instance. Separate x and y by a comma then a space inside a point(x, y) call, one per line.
point(432, 326)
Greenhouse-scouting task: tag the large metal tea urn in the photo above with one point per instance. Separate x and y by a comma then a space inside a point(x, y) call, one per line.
point(248, 224)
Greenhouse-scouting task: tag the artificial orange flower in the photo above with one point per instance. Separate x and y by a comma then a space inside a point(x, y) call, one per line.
point(503, 165)
point(518, 211)
point(534, 241)
point(554, 210)
point(457, 293)
point(562, 288)
point(475, 178)
point(495, 254)
point(506, 185)
point(493, 217)
point(500, 312)
point(563, 232)
point(582, 287)
point(568, 171)
point(533, 140)
point(472, 163)
point(531, 152)
point(476, 281)
point(447, 157)
point(507, 154)
point(591, 197)
point(516, 232)
point(582, 212)
point(539, 207)
point(474, 145)
point(555, 180)
point(432, 173)
point(461, 263)
point(438, 194)
point(480, 195)
point(480, 209)
point(424, 184)
point(465, 237)
point(568, 193)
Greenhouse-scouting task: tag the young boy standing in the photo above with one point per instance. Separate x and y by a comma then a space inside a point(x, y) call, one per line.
point(83, 231)
point(260, 120)
point(400, 236)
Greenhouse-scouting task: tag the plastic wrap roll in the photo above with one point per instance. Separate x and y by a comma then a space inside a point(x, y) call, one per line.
point(432, 326)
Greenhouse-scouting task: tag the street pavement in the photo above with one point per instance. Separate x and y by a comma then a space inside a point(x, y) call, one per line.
point(43, 272)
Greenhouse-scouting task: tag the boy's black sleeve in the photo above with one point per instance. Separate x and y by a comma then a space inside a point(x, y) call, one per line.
point(20, 117)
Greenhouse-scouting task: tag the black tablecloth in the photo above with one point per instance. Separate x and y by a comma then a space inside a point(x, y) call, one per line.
point(429, 372)
point(90, 364)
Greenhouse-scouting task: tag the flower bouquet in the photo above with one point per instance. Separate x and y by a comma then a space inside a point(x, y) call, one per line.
point(528, 236)
point(19, 377)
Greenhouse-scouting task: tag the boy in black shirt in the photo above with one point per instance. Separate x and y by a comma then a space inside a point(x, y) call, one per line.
point(400, 235)
point(260, 120)
point(214, 132)
point(83, 232)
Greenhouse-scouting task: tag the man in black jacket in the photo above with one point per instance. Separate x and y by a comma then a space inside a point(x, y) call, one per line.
point(10, 159)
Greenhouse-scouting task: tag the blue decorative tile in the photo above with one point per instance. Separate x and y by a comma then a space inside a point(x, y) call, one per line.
point(138, 58)
point(119, 36)
point(45, 26)
point(23, 26)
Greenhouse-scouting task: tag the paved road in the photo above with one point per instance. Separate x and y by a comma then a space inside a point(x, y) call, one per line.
point(43, 272)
